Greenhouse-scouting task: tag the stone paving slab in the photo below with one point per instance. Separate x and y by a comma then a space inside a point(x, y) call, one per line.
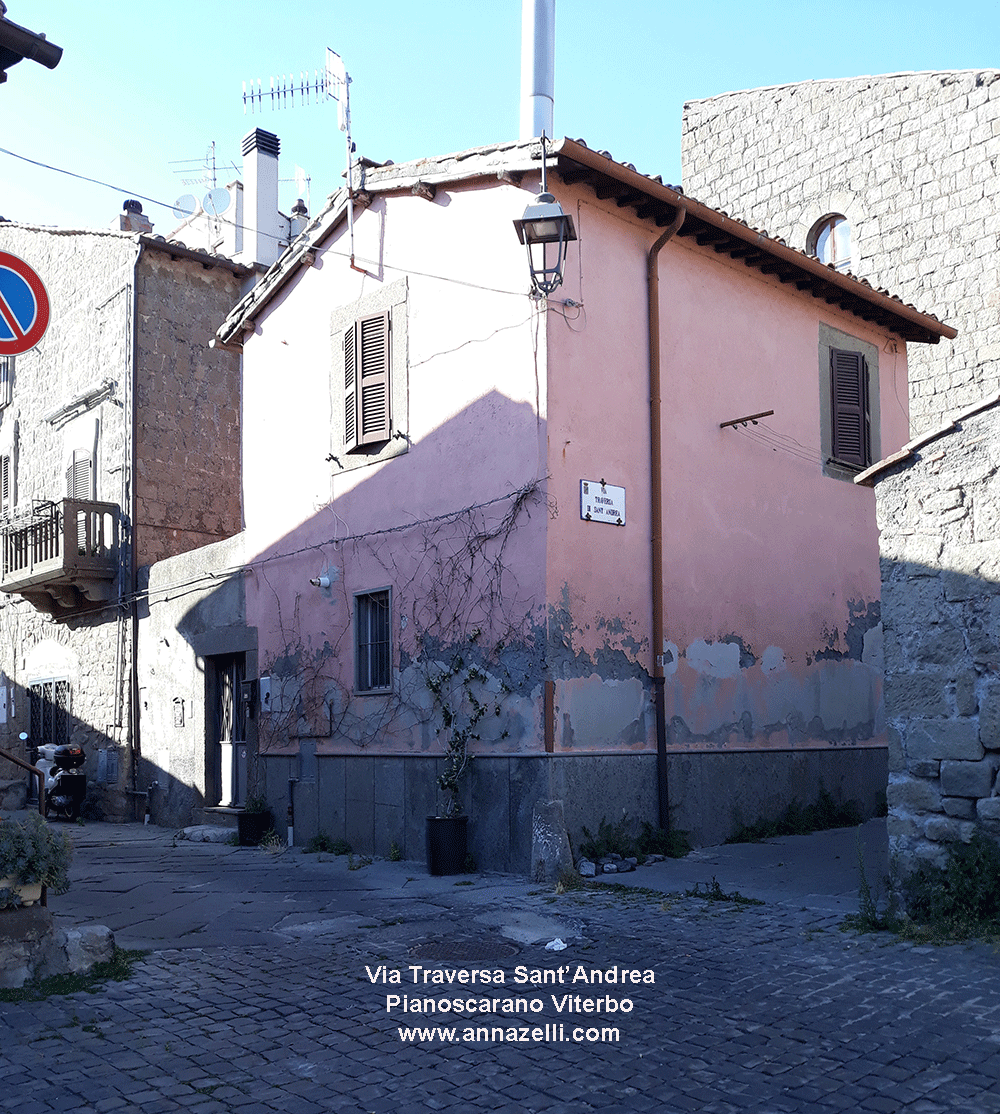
point(767, 1009)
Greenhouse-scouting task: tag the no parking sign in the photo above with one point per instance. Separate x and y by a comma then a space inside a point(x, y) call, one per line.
point(24, 306)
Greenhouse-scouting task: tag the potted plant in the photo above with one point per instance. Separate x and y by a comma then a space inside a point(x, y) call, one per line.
point(32, 855)
point(447, 835)
point(458, 692)
point(255, 821)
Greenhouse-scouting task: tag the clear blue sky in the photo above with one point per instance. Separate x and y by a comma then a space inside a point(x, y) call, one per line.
point(144, 86)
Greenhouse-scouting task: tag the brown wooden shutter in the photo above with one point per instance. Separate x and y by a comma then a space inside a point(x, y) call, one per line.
point(350, 390)
point(850, 408)
point(373, 411)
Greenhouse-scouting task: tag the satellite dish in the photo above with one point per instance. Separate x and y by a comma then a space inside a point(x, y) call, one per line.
point(216, 201)
point(186, 205)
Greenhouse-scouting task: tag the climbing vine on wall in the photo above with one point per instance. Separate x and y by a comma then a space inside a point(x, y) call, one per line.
point(466, 628)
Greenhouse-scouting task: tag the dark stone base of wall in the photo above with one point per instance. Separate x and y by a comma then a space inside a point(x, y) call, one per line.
point(717, 793)
point(375, 803)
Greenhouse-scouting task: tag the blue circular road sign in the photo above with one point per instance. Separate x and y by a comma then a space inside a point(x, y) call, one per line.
point(24, 306)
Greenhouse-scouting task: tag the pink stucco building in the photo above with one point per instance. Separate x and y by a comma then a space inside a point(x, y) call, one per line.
point(422, 442)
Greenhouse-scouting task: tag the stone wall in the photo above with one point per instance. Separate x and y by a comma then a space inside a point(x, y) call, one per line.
point(188, 417)
point(940, 552)
point(909, 160)
point(89, 278)
point(107, 312)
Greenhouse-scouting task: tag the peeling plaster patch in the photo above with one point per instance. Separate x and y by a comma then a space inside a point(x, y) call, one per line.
point(834, 701)
point(610, 659)
point(715, 659)
point(670, 655)
point(747, 657)
point(873, 654)
point(773, 660)
point(862, 618)
point(599, 713)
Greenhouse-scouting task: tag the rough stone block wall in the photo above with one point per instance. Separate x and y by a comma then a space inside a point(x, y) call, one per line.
point(88, 277)
point(940, 552)
point(188, 454)
point(188, 483)
point(909, 159)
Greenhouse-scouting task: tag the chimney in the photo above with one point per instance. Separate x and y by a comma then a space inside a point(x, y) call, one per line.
point(132, 219)
point(538, 63)
point(263, 237)
point(300, 218)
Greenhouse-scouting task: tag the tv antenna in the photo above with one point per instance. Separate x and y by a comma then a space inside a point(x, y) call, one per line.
point(333, 83)
point(215, 202)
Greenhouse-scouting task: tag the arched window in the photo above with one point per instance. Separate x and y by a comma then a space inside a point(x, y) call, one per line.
point(830, 241)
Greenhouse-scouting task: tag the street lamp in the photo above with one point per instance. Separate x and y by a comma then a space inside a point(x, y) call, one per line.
point(18, 42)
point(545, 230)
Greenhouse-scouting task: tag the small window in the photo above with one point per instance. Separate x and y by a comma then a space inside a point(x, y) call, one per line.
point(373, 644)
point(6, 380)
point(367, 389)
point(830, 241)
point(850, 408)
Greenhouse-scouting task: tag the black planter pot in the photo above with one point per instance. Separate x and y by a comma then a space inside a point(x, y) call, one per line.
point(253, 826)
point(446, 844)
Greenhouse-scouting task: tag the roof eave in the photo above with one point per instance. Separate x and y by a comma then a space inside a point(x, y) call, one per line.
point(654, 200)
point(874, 472)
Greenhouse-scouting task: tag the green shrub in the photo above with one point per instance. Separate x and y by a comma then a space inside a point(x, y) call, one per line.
point(321, 842)
point(620, 839)
point(611, 839)
point(797, 819)
point(962, 898)
point(32, 852)
point(673, 843)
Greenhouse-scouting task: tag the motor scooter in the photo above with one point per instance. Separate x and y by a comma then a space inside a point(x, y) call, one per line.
point(65, 782)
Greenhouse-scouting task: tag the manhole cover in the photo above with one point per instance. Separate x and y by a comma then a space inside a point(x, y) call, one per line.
point(463, 949)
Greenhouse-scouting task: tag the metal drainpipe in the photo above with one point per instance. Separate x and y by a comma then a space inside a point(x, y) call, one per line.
point(656, 510)
point(132, 451)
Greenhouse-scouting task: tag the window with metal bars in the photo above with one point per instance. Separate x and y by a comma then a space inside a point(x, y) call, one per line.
point(367, 388)
point(50, 701)
point(373, 641)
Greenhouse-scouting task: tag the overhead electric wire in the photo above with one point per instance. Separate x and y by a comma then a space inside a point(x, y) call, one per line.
point(243, 227)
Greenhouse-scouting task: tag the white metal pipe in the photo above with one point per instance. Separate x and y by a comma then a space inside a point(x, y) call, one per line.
point(538, 63)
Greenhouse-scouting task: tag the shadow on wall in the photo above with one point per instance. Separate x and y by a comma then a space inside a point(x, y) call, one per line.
point(43, 713)
point(406, 612)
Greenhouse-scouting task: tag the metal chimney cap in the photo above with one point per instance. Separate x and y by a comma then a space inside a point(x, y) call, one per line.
point(132, 206)
point(259, 140)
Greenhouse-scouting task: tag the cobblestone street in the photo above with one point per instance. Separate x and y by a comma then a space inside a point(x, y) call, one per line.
point(762, 1008)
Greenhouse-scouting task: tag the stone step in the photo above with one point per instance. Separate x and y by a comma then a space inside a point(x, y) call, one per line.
point(219, 815)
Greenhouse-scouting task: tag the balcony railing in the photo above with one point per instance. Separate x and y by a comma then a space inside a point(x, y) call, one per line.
point(70, 544)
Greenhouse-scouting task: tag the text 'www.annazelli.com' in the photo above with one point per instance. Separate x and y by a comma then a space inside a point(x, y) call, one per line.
point(513, 1034)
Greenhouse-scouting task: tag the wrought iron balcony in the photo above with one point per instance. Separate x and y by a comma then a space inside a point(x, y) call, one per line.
point(64, 556)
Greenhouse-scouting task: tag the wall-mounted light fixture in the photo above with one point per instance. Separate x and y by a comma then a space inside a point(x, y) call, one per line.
point(545, 230)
